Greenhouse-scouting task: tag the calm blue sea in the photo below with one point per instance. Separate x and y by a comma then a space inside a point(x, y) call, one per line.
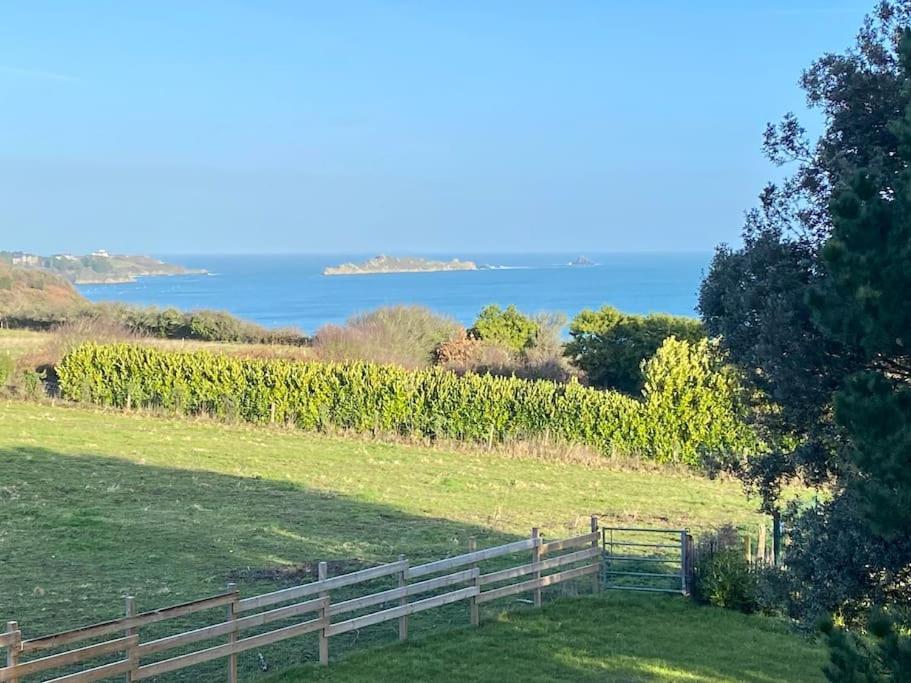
point(284, 290)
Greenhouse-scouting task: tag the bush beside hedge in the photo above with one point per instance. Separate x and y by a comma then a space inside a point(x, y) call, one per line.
point(366, 397)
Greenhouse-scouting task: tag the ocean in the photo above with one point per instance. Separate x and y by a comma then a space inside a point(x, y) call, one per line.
point(282, 290)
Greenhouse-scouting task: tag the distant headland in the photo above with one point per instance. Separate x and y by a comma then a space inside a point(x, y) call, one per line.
point(99, 267)
point(393, 264)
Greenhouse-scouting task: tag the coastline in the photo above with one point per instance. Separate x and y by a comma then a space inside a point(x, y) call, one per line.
point(403, 270)
point(128, 279)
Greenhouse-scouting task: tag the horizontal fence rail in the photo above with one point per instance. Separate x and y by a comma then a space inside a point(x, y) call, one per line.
point(309, 606)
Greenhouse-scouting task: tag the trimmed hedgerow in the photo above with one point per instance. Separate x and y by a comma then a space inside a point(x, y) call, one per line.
point(363, 397)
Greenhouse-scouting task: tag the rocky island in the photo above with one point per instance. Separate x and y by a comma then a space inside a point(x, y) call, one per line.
point(582, 262)
point(392, 264)
point(99, 267)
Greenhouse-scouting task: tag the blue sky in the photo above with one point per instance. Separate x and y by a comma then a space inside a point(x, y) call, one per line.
point(177, 127)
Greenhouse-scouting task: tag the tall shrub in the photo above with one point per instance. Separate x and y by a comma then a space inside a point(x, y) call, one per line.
point(609, 346)
point(694, 403)
point(505, 327)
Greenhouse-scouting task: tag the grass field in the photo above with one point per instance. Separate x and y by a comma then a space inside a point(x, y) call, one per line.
point(18, 342)
point(614, 637)
point(95, 505)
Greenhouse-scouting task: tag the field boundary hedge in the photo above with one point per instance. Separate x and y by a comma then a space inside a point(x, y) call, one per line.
point(371, 398)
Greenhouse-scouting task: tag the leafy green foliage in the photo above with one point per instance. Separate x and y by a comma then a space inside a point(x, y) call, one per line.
point(610, 346)
point(365, 397)
point(863, 304)
point(694, 403)
point(505, 327)
point(814, 308)
point(857, 660)
point(830, 568)
point(722, 575)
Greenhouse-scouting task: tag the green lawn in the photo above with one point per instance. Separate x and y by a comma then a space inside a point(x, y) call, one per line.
point(614, 637)
point(95, 505)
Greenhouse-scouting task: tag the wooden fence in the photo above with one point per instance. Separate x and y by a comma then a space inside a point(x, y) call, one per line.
point(310, 606)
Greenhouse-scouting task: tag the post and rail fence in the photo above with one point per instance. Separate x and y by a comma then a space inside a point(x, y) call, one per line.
point(310, 607)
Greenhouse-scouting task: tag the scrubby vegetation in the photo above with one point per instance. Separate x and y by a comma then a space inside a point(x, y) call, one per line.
point(167, 323)
point(403, 335)
point(23, 289)
point(722, 576)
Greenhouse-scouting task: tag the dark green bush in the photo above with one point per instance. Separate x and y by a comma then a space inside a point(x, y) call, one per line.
point(610, 346)
point(722, 575)
point(508, 328)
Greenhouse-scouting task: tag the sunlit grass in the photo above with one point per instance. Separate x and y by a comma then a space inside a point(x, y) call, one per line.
point(613, 637)
point(97, 504)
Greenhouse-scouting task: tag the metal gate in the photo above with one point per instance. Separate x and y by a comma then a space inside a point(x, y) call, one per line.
point(641, 559)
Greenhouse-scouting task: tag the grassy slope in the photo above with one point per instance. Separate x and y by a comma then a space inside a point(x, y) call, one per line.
point(94, 505)
point(614, 637)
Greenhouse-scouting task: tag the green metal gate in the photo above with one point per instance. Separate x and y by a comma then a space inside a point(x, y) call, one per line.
point(644, 559)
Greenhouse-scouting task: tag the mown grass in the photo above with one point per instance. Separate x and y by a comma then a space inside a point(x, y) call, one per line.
point(612, 637)
point(95, 505)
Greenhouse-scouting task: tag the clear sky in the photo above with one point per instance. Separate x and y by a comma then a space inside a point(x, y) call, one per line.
point(176, 127)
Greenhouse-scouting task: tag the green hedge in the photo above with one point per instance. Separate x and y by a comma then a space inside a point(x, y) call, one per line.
point(363, 397)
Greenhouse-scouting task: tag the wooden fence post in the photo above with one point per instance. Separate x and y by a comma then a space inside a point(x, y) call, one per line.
point(474, 609)
point(232, 637)
point(748, 548)
point(536, 558)
point(129, 610)
point(684, 560)
point(690, 564)
point(776, 537)
point(324, 614)
point(596, 577)
point(13, 649)
point(403, 620)
point(760, 543)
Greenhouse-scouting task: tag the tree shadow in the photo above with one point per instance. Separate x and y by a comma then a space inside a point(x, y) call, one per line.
point(78, 532)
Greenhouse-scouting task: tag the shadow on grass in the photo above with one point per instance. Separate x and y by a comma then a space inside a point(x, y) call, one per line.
point(78, 532)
